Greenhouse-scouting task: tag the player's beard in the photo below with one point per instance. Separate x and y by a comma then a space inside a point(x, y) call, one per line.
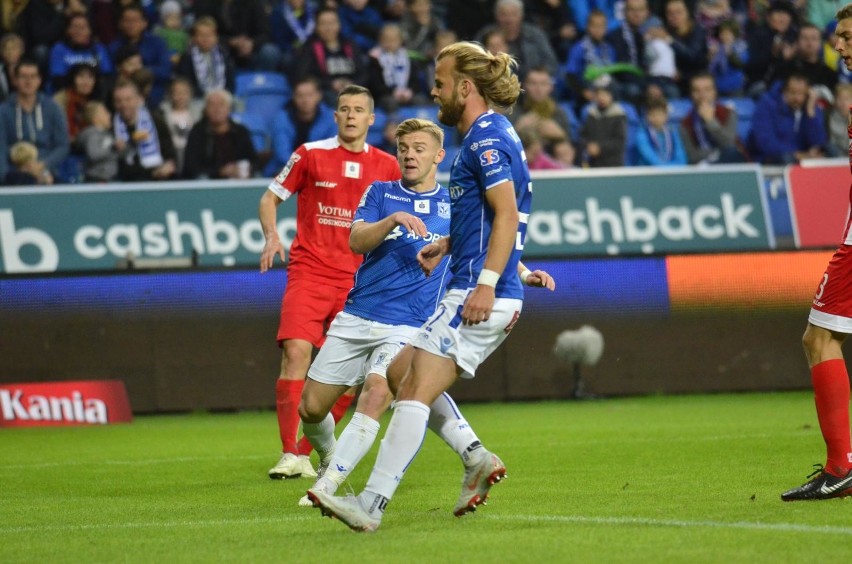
point(450, 112)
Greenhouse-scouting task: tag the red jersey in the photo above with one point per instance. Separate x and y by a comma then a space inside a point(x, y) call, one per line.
point(847, 236)
point(330, 181)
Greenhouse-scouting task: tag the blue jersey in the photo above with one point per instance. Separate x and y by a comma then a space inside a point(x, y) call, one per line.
point(491, 154)
point(389, 286)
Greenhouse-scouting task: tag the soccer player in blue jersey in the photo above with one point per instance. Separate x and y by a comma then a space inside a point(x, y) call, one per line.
point(391, 299)
point(490, 194)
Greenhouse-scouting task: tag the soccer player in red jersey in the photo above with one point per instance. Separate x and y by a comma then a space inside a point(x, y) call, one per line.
point(329, 177)
point(829, 322)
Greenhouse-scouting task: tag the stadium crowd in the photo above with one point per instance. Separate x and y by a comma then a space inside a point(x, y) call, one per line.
point(119, 90)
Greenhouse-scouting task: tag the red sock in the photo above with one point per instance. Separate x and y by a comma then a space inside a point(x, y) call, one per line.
point(831, 395)
point(288, 394)
point(338, 410)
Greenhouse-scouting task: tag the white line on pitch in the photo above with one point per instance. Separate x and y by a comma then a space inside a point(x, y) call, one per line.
point(567, 519)
point(749, 525)
point(135, 462)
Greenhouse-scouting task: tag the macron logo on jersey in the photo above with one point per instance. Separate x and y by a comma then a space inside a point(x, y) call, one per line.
point(489, 157)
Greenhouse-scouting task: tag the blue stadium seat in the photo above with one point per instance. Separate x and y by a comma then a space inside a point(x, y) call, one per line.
point(743, 106)
point(678, 108)
point(258, 125)
point(375, 136)
point(252, 83)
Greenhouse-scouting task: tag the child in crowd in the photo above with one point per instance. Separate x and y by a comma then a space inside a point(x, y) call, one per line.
point(589, 58)
point(180, 111)
point(563, 152)
point(397, 76)
point(658, 143)
point(98, 144)
point(660, 57)
point(537, 157)
point(26, 169)
point(728, 55)
point(171, 29)
point(604, 130)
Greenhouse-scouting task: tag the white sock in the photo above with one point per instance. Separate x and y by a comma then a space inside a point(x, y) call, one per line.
point(446, 421)
point(354, 442)
point(402, 441)
point(321, 436)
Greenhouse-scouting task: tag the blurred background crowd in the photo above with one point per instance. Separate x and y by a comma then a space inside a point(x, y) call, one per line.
point(121, 90)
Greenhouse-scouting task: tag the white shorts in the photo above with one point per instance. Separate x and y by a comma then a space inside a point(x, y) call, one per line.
point(355, 347)
point(468, 346)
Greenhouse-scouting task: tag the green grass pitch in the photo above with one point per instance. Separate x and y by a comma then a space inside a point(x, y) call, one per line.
point(652, 479)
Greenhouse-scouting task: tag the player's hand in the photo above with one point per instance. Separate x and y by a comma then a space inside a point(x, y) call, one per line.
point(271, 248)
point(478, 305)
point(541, 279)
point(410, 223)
point(429, 257)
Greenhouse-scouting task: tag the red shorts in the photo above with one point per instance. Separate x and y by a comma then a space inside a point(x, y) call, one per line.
point(832, 305)
point(308, 308)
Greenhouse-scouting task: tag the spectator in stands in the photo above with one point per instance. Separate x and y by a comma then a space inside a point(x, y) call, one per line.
point(420, 26)
point(180, 111)
point(628, 40)
point(78, 47)
point(171, 29)
point(155, 55)
point(396, 76)
point(305, 118)
point(390, 10)
point(537, 157)
point(97, 143)
point(244, 28)
point(808, 60)
point(528, 44)
point(26, 169)
point(291, 24)
point(787, 126)
point(658, 143)
point(41, 24)
point(218, 147)
point(728, 55)
point(11, 51)
point(128, 61)
point(709, 130)
point(336, 61)
point(29, 115)
point(837, 121)
point(81, 88)
point(538, 110)
point(141, 138)
point(689, 42)
point(564, 153)
point(206, 64)
point(467, 17)
point(556, 20)
point(661, 67)
point(771, 44)
point(709, 14)
point(590, 58)
point(360, 23)
point(604, 131)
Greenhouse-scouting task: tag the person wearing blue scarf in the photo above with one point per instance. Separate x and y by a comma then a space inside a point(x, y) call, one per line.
point(658, 143)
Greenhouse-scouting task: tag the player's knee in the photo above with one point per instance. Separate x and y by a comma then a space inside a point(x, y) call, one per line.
point(310, 411)
point(813, 341)
point(295, 360)
point(375, 398)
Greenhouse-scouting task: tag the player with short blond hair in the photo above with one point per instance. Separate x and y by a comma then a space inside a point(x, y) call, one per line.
point(329, 177)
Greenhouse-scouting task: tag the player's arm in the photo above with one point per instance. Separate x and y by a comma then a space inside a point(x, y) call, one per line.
point(535, 278)
point(267, 212)
point(364, 236)
point(501, 243)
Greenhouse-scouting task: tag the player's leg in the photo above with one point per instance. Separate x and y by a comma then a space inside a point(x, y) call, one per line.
point(315, 412)
point(429, 376)
point(830, 320)
point(295, 360)
point(304, 310)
